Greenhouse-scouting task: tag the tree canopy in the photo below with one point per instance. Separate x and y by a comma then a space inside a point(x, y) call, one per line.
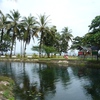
point(16, 27)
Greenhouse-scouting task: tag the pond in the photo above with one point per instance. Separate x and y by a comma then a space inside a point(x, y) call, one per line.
point(37, 81)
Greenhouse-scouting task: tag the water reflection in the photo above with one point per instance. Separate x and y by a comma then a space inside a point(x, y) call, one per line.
point(50, 82)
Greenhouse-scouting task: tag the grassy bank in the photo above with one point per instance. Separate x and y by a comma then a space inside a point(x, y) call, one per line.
point(6, 88)
point(72, 60)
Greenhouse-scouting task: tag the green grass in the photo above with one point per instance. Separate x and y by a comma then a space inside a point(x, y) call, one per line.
point(52, 58)
point(6, 89)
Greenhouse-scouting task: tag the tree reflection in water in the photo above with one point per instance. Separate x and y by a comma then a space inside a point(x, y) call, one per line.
point(94, 87)
point(92, 80)
point(48, 81)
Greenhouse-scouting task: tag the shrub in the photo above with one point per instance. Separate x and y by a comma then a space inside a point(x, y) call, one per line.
point(35, 56)
point(18, 56)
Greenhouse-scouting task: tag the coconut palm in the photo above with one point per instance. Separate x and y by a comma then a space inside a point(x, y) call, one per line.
point(65, 38)
point(3, 21)
point(13, 31)
point(67, 34)
point(28, 27)
point(42, 26)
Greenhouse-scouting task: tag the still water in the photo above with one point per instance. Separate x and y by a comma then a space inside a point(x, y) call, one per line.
point(36, 81)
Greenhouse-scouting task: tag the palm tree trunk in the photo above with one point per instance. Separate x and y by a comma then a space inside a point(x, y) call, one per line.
point(11, 48)
point(15, 48)
point(21, 49)
point(40, 50)
point(25, 50)
point(1, 35)
point(40, 44)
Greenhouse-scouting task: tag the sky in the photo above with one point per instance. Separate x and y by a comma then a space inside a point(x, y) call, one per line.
point(74, 14)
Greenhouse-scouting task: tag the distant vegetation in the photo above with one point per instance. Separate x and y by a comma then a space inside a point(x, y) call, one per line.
point(14, 27)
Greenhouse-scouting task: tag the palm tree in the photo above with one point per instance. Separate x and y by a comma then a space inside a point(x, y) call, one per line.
point(67, 34)
point(65, 38)
point(42, 26)
point(28, 24)
point(3, 21)
point(13, 31)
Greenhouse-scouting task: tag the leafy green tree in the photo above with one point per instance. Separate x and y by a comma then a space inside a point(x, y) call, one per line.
point(77, 43)
point(49, 37)
point(6, 43)
point(48, 50)
point(45, 49)
point(95, 25)
point(94, 31)
point(92, 40)
point(35, 48)
point(57, 43)
point(49, 40)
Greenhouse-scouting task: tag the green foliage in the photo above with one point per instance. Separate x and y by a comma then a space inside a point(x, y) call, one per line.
point(49, 38)
point(27, 28)
point(42, 28)
point(77, 42)
point(7, 88)
point(49, 49)
point(35, 56)
point(6, 94)
point(35, 48)
point(18, 56)
point(92, 38)
point(94, 31)
point(95, 25)
point(6, 55)
point(5, 44)
point(65, 38)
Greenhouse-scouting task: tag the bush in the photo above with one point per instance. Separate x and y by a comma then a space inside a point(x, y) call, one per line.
point(6, 56)
point(18, 56)
point(35, 56)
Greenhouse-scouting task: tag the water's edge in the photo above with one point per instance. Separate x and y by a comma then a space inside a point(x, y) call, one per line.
point(91, 63)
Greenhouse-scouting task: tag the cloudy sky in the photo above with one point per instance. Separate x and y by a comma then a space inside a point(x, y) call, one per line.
point(74, 14)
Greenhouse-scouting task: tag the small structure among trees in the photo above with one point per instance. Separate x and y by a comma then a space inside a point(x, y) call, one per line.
point(88, 52)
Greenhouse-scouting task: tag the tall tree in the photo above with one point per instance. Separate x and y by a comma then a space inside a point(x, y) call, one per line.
point(65, 38)
point(49, 41)
point(13, 31)
point(3, 22)
point(49, 36)
point(48, 44)
point(28, 24)
point(6, 44)
point(57, 43)
point(94, 27)
point(94, 31)
point(77, 43)
point(42, 26)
